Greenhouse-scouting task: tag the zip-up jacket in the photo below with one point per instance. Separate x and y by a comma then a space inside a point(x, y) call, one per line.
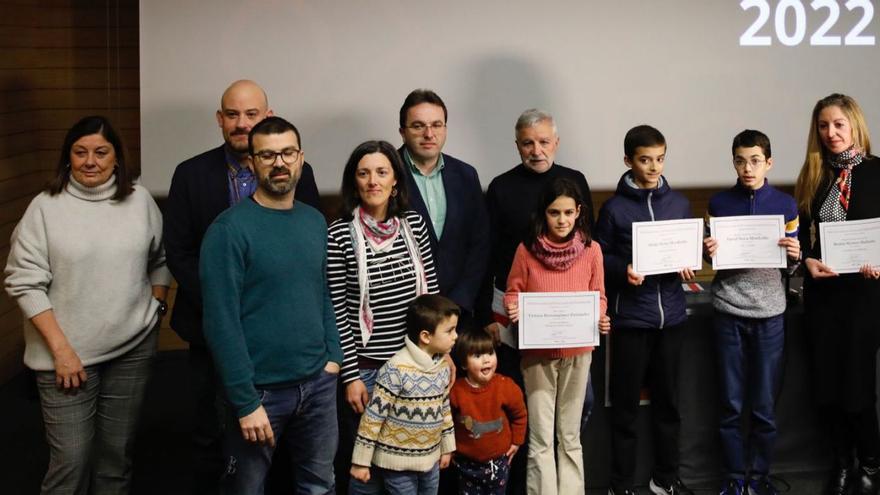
point(755, 292)
point(659, 302)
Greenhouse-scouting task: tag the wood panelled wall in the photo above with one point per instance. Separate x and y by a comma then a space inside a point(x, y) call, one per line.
point(59, 61)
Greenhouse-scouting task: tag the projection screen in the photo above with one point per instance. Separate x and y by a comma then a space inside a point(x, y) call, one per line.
point(698, 70)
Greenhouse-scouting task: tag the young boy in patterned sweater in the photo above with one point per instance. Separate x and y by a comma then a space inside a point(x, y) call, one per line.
point(407, 431)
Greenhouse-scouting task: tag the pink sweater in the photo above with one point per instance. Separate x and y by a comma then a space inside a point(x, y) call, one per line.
point(528, 274)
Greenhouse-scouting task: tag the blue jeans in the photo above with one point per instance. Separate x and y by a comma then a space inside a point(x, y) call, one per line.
point(374, 486)
point(410, 482)
point(305, 415)
point(91, 431)
point(749, 357)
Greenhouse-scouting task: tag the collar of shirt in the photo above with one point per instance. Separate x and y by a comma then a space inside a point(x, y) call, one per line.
point(240, 179)
point(415, 170)
point(235, 167)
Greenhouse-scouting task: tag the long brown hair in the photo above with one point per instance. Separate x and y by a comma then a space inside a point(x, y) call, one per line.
point(814, 170)
point(397, 204)
point(560, 186)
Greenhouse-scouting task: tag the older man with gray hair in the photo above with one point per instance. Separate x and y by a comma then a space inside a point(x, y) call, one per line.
point(511, 197)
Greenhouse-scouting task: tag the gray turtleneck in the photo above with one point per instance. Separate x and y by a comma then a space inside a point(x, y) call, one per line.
point(93, 260)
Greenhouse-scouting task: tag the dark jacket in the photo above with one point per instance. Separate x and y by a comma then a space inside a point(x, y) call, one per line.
point(841, 312)
point(753, 292)
point(659, 302)
point(462, 252)
point(511, 199)
point(199, 192)
point(863, 205)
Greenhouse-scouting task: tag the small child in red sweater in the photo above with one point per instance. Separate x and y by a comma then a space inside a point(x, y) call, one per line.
point(490, 417)
point(556, 255)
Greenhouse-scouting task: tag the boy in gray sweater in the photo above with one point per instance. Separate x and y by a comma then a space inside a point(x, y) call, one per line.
point(749, 307)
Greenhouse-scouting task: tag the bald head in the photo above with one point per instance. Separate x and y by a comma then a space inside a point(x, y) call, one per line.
point(243, 105)
point(244, 88)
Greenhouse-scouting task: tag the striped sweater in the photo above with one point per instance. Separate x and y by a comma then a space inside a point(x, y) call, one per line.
point(528, 274)
point(408, 422)
point(392, 282)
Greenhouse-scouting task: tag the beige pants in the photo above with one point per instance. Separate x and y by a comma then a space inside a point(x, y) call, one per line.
point(555, 390)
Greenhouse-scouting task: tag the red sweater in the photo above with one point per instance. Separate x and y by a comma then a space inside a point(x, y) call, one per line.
point(488, 420)
point(528, 274)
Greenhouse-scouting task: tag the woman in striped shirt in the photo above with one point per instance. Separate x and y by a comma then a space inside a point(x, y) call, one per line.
point(378, 260)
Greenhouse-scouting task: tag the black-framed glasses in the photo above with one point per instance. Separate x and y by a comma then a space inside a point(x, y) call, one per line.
point(422, 127)
point(268, 157)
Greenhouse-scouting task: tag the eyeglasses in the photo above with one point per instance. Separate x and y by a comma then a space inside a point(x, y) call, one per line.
point(421, 126)
point(267, 157)
point(754, 162)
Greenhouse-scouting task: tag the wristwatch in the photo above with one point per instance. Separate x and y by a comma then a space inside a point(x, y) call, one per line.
point(163, 306)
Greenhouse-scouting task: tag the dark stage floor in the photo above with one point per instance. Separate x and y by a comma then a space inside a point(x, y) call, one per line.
point(162, 455)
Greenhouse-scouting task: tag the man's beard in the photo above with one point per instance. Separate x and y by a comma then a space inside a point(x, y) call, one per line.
point(234, 146)
point(278, 188)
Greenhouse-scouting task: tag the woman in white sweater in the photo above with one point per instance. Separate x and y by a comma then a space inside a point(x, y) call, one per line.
point(87, 269)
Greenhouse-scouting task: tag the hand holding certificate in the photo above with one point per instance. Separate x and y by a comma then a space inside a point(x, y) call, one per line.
point(749, 241)
point(552, 320)
point(667, 246)
point(848, 246)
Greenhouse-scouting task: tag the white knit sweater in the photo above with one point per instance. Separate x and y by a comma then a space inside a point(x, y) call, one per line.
point(93, 261)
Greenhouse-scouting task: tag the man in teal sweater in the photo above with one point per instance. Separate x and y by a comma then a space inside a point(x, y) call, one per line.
point(269, 322)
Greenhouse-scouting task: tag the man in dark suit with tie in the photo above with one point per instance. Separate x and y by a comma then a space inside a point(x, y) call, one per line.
point(447, 193)
point(203, 187)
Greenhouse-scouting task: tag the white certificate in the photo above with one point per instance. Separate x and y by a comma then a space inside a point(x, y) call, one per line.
point(748, 241)
point(846, 246)
point(667, 246)
point(551, 320)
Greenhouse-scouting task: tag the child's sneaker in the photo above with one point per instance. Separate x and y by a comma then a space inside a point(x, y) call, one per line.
point(676, 487)
point(762, 486)
point(732, 487)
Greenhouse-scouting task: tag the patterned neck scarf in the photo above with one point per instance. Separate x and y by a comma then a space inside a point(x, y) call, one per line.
point(366, 227)
point(380, 235)
point(556, 256)
point(836, 204)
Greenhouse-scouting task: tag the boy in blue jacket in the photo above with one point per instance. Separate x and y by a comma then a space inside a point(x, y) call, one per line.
point(648, 313)
point(749, 336)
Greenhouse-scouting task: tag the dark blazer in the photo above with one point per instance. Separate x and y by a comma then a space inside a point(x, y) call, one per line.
point(841, 312)
point(462, 252)
point(199, 192)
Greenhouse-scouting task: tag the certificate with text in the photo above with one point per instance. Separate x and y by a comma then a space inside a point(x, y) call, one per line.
point(748, 241)
point(846, 246)
point(552, 320)
point(667, 246)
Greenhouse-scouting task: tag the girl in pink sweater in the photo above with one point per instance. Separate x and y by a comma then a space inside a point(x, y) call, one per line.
point(557, 255)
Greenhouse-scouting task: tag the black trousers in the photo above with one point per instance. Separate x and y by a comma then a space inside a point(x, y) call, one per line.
point(853, 432)
point(643, 356)
point(207, 432)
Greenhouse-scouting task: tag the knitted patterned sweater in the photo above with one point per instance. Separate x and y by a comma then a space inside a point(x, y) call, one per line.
point(489, 419)
point(408, 423)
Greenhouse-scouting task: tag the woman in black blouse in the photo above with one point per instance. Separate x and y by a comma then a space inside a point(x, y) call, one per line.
point(840, 181)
